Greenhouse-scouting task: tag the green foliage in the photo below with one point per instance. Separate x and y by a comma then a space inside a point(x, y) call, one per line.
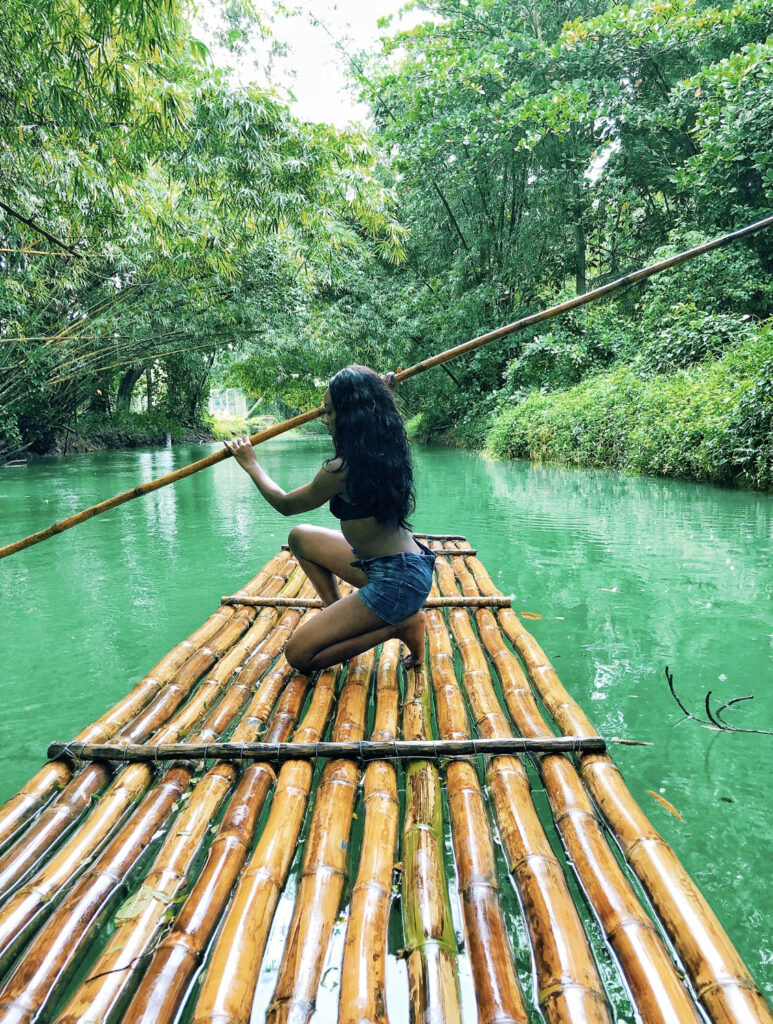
point(123, 430)
point(688, 336)
point(521, 155)
point(193, 209)
point(712, 422)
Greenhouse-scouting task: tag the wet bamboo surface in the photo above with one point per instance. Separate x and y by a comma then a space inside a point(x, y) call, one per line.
point(430, 890)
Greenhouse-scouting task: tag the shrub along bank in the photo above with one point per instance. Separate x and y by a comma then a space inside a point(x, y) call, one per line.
point(710, 421)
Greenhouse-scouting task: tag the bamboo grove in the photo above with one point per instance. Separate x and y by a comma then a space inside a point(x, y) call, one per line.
point(503, 888)
point(162, 231)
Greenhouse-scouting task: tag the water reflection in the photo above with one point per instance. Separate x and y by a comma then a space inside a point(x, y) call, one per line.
point(629, 575)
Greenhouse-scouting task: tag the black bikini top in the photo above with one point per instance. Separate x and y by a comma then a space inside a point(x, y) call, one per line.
point(345, 510)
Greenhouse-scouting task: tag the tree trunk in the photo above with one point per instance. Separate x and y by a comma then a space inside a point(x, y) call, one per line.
point(580, 274)
point(149, 381)
point(125, 388)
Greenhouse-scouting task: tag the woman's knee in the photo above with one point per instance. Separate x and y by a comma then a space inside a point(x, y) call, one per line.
point(297, 539)
point(298, 654)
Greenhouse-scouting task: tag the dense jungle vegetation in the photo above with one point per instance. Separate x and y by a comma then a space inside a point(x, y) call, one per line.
point(161, 229)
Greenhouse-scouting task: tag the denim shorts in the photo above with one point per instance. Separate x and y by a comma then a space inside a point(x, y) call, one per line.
point(398, 584)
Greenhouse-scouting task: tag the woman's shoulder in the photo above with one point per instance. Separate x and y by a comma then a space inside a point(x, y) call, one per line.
point(334, 465)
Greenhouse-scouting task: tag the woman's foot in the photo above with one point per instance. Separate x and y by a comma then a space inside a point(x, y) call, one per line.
point(412, 632)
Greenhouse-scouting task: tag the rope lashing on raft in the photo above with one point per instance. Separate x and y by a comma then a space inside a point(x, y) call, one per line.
point(426, 364)
point(364, 750)
point(314, 602)
point(462, 552)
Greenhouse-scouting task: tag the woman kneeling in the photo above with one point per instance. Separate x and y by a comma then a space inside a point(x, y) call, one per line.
point(369, 484)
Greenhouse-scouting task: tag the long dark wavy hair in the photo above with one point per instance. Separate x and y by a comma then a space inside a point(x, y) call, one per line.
point(371, 443)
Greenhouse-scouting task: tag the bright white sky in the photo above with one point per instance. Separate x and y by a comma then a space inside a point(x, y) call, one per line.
point(314, 68)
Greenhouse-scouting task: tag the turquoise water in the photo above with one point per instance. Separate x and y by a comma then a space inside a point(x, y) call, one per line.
point(628, 575)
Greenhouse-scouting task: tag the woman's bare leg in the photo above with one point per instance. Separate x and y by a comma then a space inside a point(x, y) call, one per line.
point(348, 628)
point(324, 554)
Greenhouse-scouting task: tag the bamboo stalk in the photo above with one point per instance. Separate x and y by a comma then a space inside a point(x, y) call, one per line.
point(497, 990)
point(229, 984)
point(363, 973)
point(62, 816)
point(46, 966)
point(431, 950)
point(375, 750)
point(655, 986)
point(23, 912)
point(47, 962)
point(324, 864)
point(431, 602)
point(17, 811)
point(721, 980)
point(441, 536)
point(164, 985)
point(103, 995)
point(426, 364)
point(106, 989)
point(569, 987)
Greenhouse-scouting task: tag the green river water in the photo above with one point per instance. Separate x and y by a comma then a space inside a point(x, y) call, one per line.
point(628, 575)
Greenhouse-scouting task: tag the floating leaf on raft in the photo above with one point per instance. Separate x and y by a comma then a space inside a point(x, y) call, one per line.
point(669, 807)
point(134, 906)
point(530, 615)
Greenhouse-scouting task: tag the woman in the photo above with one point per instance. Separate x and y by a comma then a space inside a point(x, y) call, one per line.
point(369, 484)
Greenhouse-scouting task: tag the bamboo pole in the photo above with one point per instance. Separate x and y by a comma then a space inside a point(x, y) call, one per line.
point(54, 776)
point(426, 364)
point(105, 993)
point(44, 969)
point(229, 985)
point(655, 987)
point(165, 983)
point(48, 961)
point(569, 987)
point(721, 980)
point(374, 750)
point(23, 912)
point(324, 866)
point(431, 950)
point(363, 973)
point(62, 816)
point(431, 602)
point(232, 974)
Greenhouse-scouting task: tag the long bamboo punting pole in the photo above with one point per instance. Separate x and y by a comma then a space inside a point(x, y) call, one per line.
point(569, 988)
point(18, 811)
point(721, 980)
point(433, 982)
point(48, 961)
point(165, 983)
point(655, 986)
point(61, 816)
point(363, 972)
point(24, 912)
point(426, 364)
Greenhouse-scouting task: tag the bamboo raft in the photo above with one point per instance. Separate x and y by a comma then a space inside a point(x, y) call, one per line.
point(350, 875)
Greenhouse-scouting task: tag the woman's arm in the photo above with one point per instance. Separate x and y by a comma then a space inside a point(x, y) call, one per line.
point(321, 489)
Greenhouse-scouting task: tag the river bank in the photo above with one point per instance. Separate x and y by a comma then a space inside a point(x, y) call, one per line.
point(710, 422)
point(129, 431)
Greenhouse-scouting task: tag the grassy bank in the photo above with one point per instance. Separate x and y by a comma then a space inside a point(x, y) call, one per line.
point(712, 421)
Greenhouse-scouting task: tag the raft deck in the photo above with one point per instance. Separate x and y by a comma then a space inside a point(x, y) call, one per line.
point(152, 892)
